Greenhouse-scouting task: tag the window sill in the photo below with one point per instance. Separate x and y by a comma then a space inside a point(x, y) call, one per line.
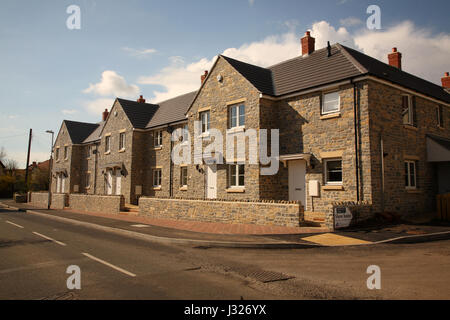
point(121, 150)
point(410, 127)
point(89, 158)
point(183, 188)
point(204, 134)
point(330, 116)
point(157, 188)
point(107, 152)
point(157, 148)
point(236, 130)
point(332, 187)
point(236, 190)
point(413, 191)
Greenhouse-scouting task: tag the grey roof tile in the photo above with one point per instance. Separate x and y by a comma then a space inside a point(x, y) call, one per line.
point(138, 113)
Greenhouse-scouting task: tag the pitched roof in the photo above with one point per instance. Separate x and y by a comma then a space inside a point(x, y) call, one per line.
point(79, 131)
point(138, 113)
point(95, 135)
point(172, 110)
point(318, 68)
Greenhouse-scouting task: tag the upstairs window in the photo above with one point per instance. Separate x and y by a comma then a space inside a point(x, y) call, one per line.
point(410, 175)
point(88, 151)
point(236, 116)
point(57, 154)
point(157, 139)
point(107, 143)
point(66, 152)
point(205, 119)
point(331, 102)
point(122, 141)
point(440, 116)
point(333, 171)
point(408, 110)
point(185, 136)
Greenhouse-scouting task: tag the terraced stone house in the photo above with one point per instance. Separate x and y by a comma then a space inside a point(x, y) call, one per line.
point(351, 128)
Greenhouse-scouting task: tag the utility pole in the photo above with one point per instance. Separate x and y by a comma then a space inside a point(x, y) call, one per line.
point(28, 159)
point(50, 167)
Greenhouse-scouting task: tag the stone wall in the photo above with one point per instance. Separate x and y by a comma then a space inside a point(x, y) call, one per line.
point(38, 199)
point(59, 201)
point(260, 213)
point(97, 203)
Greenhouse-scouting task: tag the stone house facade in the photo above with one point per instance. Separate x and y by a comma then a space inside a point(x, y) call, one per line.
point(351, 128)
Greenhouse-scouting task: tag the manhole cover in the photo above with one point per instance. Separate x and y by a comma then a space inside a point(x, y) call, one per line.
point(260, 275)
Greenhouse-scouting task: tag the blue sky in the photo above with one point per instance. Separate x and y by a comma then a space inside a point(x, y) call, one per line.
point(159, 49)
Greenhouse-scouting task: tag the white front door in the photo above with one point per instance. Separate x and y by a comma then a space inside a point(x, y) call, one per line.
point(109, 182)
point(297, 172)
point(211, 181)
point(118, 182)
point(63, 183)
point(58, 183)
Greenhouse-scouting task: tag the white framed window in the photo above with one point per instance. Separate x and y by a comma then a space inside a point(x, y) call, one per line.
point(333, 171)
point(205, 121)
point(66, 152)
point(57, 154)
point(410, 174)
point(88, 151)
point(236, 116)
point(440, 116)
point(157, 174)
point(331, 102)
point(236, 175)
point(183, 176)
point(157, 138)
point(185, 135)
point(407, 110)
point(107, 143)
point(122, 141)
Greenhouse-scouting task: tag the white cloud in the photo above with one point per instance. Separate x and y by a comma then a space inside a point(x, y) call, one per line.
point(423, 53)
point(140, 53)
point(69, 111)
point(426, 56)
point(97, 106)
point(112, 84)
point(350, 22)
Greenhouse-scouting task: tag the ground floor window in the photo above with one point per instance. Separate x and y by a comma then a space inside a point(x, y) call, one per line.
point(183, 177)
point(410, 174)
point(88, 179)
point(157, 177)
point(236, 175)
point(333, 171)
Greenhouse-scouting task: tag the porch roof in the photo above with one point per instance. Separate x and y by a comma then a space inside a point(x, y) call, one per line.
point(296, 156)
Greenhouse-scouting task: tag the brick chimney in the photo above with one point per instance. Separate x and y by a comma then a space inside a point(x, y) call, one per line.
point(308, 43)
point(446, 80)
point(105, 115)
point(141, 99)
point(395, 59)
point(203, 76)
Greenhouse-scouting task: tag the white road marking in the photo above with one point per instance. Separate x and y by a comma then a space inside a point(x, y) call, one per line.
point(14, 224)
point(140, 225)
point(48, 238)
point(109, 265)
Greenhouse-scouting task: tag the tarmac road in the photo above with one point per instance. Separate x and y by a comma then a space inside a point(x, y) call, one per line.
point(35, 253)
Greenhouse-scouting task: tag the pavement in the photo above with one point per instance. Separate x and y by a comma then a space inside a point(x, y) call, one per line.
point(204, 234)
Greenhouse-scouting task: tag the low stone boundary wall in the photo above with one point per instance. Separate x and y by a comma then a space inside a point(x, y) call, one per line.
point(96, 203)
point(260, 213)
point(20, 198)
point(59, 201)
point(38, 199)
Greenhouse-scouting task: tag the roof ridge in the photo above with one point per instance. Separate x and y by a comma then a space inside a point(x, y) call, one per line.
point(181, 95)
point(355, 62)
point(298, 57)
point(65, 120)
point(250, 64)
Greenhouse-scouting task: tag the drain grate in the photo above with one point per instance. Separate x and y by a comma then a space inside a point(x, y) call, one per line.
point(260, 275)
point(62, 296)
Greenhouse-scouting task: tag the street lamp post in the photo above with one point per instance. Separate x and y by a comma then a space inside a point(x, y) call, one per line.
point(50, 167)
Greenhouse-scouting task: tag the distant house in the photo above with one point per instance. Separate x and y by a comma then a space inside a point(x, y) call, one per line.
point(351, 128)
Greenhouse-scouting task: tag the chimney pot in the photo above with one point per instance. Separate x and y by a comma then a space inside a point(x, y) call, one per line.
point(105, 115)
point(446, 81)
point(203, 76)
point(141, 99)
point(308, 44)
point(395, 58)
